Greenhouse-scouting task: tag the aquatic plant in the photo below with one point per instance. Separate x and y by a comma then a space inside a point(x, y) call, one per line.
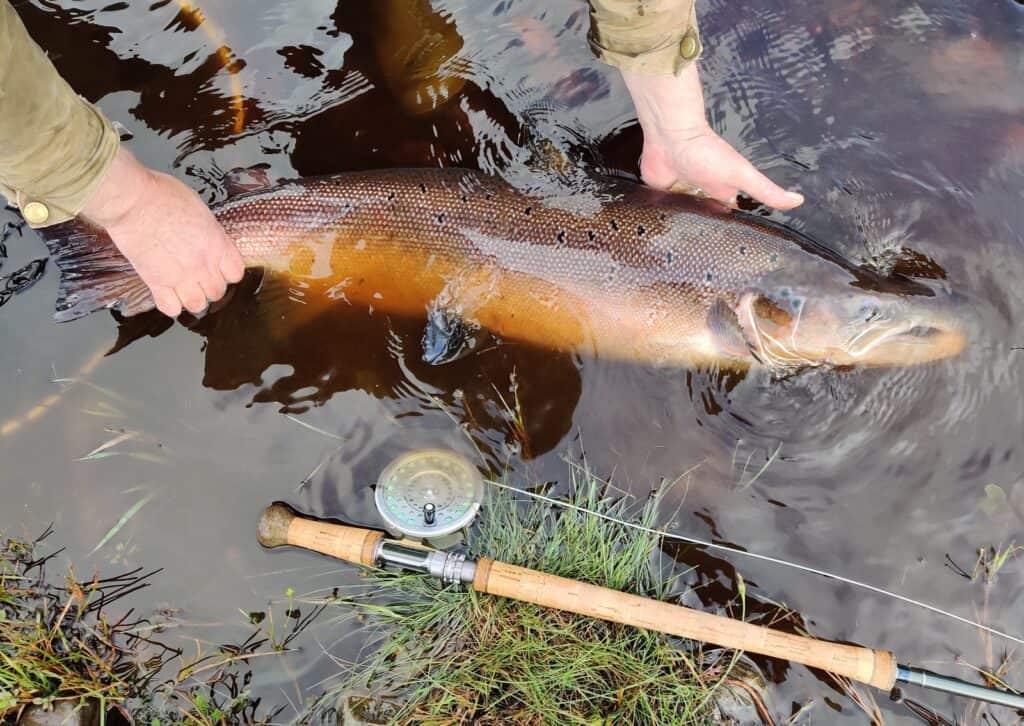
point(445, 655)
point(58, 645)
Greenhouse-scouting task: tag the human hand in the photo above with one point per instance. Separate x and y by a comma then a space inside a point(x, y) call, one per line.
point(681, 152)
point(168, 235)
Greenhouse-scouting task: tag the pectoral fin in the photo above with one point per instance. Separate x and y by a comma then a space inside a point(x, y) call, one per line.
point(447, 337)
point(725, 329)
point(247, 179)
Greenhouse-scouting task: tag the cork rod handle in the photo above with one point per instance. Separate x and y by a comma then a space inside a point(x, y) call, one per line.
point(281, 525)
point(874, 667)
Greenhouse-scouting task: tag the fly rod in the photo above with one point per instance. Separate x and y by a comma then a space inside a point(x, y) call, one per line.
point(281, 525)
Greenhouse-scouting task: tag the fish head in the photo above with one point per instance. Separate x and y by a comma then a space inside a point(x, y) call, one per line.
point(848, 325)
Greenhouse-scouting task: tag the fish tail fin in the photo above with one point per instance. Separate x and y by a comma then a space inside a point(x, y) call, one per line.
point(94, 275)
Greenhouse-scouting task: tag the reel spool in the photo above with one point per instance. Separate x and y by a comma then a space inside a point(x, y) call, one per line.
point(429, 493)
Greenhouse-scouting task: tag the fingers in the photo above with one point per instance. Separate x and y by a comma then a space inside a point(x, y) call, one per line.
point(192, 297)
point(213, 293)
point(196, 286)
point(166, 300)
point(724, 193)
point(231, 265)
point(213, 283)
point(757, 185)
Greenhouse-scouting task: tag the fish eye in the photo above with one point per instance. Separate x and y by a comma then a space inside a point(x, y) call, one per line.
point(869, 312)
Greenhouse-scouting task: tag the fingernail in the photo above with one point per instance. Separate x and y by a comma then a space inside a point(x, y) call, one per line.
point(795, 198)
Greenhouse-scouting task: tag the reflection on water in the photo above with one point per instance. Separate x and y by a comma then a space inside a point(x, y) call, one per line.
point(900, 124)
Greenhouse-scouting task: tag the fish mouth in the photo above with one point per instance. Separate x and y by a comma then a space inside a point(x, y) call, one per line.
point(910, 343)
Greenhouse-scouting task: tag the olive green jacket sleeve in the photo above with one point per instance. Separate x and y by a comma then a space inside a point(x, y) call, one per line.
point(657, 37)
point(54, 145)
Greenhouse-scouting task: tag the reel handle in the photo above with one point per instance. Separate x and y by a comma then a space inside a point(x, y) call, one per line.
point(281, 525)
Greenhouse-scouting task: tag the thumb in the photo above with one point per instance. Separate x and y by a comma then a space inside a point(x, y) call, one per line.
point(757, 185)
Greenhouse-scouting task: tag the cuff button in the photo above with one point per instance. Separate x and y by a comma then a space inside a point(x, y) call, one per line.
point(35, 213)
point(688, 47)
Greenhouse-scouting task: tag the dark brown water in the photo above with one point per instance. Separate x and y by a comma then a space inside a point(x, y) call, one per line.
point(900, 122)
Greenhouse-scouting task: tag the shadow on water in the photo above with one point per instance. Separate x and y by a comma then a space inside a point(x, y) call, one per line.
point(899, 122)
point(268, 343)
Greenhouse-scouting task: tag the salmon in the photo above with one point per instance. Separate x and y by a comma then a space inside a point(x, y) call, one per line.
point(621, 271)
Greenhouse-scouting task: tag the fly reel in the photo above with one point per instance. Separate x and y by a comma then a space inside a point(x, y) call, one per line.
point(429, 493)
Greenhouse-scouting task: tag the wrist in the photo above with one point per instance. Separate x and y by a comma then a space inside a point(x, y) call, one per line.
point(125, 183)
point(667, 103)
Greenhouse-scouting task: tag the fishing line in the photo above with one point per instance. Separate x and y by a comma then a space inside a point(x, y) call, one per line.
point(764, 558)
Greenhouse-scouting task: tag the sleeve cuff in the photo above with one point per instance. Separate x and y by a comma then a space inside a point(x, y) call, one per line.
point(669, 59)
point(654, 37)
point(69, 193)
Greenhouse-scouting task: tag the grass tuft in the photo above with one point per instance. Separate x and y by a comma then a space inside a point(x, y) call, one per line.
point(445, 655)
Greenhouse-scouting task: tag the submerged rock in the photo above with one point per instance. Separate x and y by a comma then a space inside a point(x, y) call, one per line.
point(361, 709)
point(743, 698)
point(61, 713)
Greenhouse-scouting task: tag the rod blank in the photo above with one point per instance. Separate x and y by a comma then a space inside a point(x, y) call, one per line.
point(936, 682)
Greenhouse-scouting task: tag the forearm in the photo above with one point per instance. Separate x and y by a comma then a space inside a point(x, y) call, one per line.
point(652, 37)
point(125, 185)
point(55, 147)
point(668, 103)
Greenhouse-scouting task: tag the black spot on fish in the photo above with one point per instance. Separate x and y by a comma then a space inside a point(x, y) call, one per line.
point(774, 258)
point(423, 187)
point(464, 198)
point(488, 196)
point(560, 237)
point(662, 217)
point(743, 249)
point(640, 230)
point(440, 218)
point(591, 235)
point(668, 257)
point(528, 211)
point(391, 196)
point(614, 225)
point(707, 276)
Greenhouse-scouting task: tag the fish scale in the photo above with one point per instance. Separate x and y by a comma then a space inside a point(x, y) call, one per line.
point(492, 250)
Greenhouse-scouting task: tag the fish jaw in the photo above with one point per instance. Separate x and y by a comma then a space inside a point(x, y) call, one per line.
point(907, 344)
